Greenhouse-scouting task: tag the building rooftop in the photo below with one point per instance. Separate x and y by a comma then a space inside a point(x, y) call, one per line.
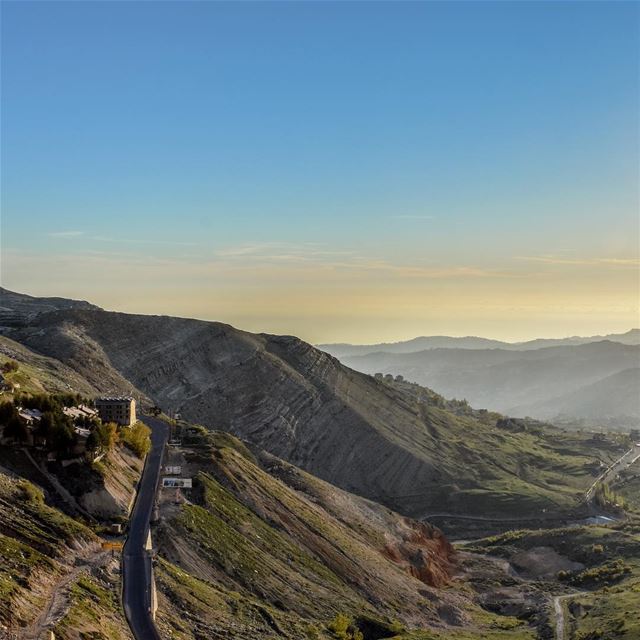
point(79, 412)
point(29, 414)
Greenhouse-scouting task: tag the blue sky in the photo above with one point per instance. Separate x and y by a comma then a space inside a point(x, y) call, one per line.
point(354, 166)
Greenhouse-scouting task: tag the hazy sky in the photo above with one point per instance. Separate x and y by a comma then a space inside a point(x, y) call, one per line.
point(340, 171)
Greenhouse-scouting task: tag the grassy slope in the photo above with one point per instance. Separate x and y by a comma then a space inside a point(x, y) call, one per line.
point(38, 373)
point(528, 470)
point(265, 550)
point(40, 548)
point(34, 540)
point(94, 611)
point(628, 486)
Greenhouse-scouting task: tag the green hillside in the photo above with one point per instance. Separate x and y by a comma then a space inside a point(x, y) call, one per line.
point(263, 549)
point(53, 572)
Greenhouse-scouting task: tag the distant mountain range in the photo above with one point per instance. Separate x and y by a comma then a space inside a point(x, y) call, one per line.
point(593, 380)
point(341, 350)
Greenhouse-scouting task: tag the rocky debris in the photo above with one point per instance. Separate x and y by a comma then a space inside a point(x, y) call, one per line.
point(543, 562)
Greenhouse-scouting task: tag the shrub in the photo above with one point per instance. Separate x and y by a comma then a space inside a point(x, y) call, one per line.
point(344, 628)
point(312, 632)
point(137, 438)
point(10, 366)
point(107, 435)
point(30, 492)
point(610, 572)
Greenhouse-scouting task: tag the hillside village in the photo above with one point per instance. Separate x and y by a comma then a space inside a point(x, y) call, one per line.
point(77, 443)
point(62, 426)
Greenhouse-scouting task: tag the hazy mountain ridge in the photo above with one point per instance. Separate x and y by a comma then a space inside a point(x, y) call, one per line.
point(615, 397)
point(421, 343)
point(510, 381)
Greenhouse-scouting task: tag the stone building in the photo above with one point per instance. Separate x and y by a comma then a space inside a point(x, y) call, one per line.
point(121, 410)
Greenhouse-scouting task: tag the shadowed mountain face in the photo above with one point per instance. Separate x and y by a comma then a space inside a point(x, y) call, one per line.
point(518, 382)
point(301, 404)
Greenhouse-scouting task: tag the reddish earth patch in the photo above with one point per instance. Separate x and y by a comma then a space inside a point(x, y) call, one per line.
point(422, 551)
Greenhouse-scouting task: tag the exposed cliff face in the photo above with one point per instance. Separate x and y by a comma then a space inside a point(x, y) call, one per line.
point(108, 492)
point(302, 405)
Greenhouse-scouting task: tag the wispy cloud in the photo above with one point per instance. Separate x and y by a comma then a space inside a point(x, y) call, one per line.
point(144, 241)
point(627, 262)
point(281, 252)
point(581, 262)
point(66, 234)
point(316, 257)
point(269, 261)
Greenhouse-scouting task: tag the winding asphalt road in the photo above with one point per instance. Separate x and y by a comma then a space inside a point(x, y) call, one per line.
point(136, 561)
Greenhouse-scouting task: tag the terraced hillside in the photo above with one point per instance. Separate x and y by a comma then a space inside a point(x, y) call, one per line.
point(378, 440)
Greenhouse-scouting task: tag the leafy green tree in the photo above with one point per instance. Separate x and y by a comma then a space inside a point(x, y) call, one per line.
point(16, 430)
point(62, 438)
point(137, 438)
point(45, 426)
point(68, 399)
point(107, 435)
point(93, 442)
point(7, 411)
